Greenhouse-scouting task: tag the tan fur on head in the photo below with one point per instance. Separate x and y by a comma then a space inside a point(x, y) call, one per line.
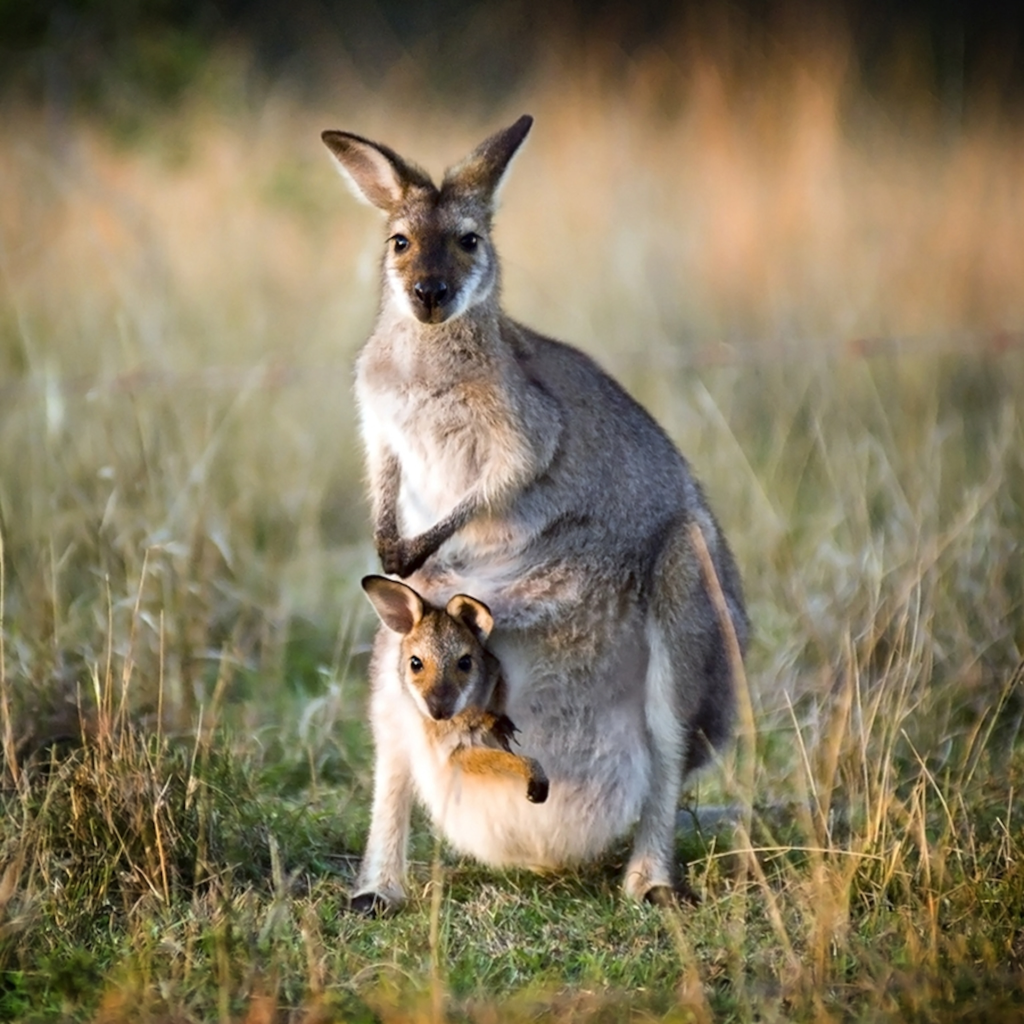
point(442, 658)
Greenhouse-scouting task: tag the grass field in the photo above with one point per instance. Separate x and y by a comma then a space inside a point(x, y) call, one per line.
point(818, 296)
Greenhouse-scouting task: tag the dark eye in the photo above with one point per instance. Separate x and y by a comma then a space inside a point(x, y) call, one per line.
point(399, 243)
point(415, 664)
point(465, 663)
point(469, 242)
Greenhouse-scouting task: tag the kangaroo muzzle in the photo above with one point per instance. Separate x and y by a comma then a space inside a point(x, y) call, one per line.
point(441, 705)
point(431, 294)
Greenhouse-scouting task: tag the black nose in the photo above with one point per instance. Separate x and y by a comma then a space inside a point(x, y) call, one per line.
point(431, 293)
point(439, 705)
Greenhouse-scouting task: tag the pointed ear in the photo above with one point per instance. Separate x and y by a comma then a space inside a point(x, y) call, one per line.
point(400, 608)
point(484, 169)
point(377, 175)
point(472, 613)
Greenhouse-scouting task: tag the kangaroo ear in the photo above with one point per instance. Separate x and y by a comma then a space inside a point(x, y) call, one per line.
point(472, 613)
point(377, 175)
point(400, 608)
point(484, 169)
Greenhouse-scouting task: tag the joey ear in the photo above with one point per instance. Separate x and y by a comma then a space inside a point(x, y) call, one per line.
point(376, 174)
point(472, 613)
point(400, 608)
point(484, 169)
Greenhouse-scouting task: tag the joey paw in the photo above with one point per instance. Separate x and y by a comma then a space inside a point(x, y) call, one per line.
point(504, 731)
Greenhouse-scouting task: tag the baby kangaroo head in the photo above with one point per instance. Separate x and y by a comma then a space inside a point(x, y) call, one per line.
point(439, 261)
point(442, 653)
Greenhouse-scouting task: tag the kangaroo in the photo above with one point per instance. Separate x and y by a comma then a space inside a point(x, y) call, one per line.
point(508, 465)
point(455, 683)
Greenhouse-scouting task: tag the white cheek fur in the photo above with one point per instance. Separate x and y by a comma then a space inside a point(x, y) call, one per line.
point(398, 292)
point(475, 288)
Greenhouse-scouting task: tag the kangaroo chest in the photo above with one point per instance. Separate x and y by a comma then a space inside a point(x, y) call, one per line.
point(450, 426)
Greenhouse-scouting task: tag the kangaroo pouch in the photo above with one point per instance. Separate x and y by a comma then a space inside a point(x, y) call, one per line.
point(584, 721)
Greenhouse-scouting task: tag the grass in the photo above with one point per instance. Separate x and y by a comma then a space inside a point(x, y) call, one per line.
point(186, 766)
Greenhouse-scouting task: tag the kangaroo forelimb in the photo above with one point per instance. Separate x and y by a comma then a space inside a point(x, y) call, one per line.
point(385, 490)
point(403, 556)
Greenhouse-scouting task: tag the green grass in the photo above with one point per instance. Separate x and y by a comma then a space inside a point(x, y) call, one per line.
point(187, 769)
point(163, 883)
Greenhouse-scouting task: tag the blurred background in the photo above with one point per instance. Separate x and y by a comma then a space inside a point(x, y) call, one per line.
point(794, 231)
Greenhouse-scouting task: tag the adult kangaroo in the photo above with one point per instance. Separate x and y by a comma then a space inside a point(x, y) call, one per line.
point(509, 466)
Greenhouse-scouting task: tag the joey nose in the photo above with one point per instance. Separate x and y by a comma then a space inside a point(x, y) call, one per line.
point(430, 293)
point(439, 706)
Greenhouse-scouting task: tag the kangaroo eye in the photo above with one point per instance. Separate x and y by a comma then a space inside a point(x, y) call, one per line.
point(465, 663)
point(399, 243)
point(469, 241)
point(415, 664)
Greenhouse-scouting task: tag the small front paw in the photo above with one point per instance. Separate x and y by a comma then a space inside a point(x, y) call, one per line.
point(504, 731)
